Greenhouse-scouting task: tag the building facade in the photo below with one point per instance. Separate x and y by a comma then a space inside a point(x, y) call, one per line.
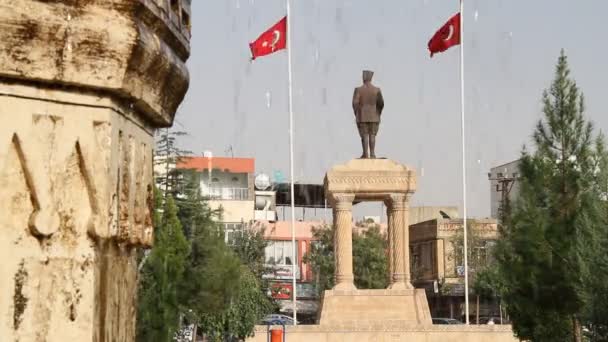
point(227, 183)
point(503, 185)
point(437, 262)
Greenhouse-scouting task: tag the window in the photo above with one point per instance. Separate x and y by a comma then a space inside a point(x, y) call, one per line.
point(235, 180)
point(215, 180)
point(499, 175)
point(279, 253)
point(232, 232)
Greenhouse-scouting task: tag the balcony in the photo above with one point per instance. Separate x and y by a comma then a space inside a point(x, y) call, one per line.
point(234, 194)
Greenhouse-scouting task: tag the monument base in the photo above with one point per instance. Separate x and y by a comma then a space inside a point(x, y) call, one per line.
point(405, 307)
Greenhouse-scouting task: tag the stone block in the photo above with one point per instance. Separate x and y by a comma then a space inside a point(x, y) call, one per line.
point(407, 307)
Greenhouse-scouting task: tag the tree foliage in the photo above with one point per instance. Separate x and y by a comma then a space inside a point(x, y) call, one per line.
point(191, 275)
point(550, 234)
point(162, 274)
point(370, 262)
point(238, 317)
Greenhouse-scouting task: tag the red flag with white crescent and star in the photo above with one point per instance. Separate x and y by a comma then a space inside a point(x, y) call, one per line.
point(447, 36)
point(272, 40)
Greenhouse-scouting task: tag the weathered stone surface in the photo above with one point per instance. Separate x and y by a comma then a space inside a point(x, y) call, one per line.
point(75, 197)
point(83, 85)
point(370, 179)
point(408, 307)
point(133, 49)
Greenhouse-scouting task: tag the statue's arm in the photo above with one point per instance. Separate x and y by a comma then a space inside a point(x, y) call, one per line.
point(380, 102)
point(356, 100)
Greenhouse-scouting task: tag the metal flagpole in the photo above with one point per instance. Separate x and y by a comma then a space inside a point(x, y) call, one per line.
point(294, 261)
point(464, 168)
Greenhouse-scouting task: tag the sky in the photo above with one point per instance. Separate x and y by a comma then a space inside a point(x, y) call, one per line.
point(511, 47)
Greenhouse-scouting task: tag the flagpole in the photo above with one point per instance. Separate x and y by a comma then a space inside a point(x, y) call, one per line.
point(464, 168)
point(293, 219)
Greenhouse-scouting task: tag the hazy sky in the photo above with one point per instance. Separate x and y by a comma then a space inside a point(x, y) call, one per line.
point(510, 52)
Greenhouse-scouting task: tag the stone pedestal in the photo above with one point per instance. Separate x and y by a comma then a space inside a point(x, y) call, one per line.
point(373, 180)
point(401, 307)
point(83, 85)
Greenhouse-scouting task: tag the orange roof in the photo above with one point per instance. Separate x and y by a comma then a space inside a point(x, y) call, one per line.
point(233, 165)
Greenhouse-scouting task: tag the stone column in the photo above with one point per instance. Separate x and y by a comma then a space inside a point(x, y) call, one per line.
point(398, 221)
point(343, 237)
point(406, 242)
point(83, 86)
point(391, 241)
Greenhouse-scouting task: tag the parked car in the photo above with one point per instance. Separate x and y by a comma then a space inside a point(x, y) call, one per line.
point(446, 321)
point(277, 319)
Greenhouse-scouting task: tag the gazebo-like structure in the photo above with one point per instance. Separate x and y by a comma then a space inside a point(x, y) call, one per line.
point(372, 180)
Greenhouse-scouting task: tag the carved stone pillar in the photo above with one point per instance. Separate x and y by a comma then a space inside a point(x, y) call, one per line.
point(391, 241)
point(398, 226)
point(83, 85)
point(406, 243)
point(343, 237)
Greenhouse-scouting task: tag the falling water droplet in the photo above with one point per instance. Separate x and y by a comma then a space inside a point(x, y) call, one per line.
point(268, 99)
point(248, 69)
point(238, 4)
point(324, 96)
point(476, 15)
point(338, 17)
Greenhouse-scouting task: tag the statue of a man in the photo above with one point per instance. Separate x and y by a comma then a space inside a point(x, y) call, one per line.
point(367, 105)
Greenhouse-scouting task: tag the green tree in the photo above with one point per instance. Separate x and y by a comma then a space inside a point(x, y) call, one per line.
point(222, 293)
point(321, 257)
point(250, 246)
point(237, 319)
point(162, 273)
point(596, 252)
point(167, 155)
point(370, 259)
point(370, 264)
point(542, 255)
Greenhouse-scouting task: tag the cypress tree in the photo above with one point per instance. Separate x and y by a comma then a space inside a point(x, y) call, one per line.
point(543, 256)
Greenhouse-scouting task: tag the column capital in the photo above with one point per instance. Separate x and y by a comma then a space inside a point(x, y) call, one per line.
point(398, 201)
point(342, 201)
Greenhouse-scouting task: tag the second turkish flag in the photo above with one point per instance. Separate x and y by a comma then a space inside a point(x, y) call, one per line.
point(447, 36)
point(272, 40)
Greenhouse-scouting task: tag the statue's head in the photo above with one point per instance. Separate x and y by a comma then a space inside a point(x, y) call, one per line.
point(367, 76)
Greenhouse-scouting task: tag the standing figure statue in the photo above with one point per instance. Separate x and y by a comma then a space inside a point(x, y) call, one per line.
point(367, 105)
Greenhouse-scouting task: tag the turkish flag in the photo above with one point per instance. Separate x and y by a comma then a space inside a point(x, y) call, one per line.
point(274, 39)
point(447, 36)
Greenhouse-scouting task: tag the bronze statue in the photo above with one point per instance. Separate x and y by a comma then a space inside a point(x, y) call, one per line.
point(367, 105)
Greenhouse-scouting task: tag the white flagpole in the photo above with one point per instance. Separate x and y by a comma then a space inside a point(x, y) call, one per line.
point(294, 261)
point(464, 166)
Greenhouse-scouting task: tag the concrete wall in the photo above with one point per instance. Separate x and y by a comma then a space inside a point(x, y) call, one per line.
point(388, 333)
point(234, 211)
point(506, 170)
point(421, 214)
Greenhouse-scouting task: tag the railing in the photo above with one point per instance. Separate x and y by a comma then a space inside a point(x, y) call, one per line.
point(236, 194)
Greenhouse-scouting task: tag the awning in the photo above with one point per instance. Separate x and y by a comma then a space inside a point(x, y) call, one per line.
point(305, 195)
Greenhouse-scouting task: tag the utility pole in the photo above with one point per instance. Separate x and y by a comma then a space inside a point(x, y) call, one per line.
point(504, 186)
